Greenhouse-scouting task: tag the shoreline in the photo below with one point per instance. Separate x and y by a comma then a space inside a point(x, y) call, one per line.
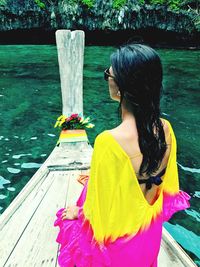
point(154, 37)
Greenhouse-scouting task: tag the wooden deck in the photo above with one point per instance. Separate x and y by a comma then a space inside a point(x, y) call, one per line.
point(26, 227)
point(27, 234)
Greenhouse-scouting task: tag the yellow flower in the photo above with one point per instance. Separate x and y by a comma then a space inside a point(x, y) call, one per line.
point(60, 121)
point(90, 125)
point(56, 124)
point(59, 118)
point(81, 123)
point(86, 120)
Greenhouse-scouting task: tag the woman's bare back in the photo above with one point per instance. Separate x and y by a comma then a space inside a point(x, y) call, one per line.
point(128, 140)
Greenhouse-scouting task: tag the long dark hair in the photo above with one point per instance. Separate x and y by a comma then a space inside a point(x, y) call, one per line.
point(138, 73)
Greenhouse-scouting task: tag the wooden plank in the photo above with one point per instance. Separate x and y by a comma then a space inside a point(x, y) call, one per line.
point(166, 258)
point(16, 225)
point(68, 157)
point(70, 46)
point(75, 189)
point(20, 198)
point(37, 245)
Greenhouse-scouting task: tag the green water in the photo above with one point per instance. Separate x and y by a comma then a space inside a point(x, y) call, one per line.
point(30, 102)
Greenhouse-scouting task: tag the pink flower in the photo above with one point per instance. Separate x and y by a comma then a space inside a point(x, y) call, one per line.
point(73, 116)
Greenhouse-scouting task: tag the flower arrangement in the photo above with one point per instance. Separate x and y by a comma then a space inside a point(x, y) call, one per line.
point(73, 122)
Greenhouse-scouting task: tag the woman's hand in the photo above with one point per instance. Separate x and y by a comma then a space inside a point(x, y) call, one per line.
point(70, 213)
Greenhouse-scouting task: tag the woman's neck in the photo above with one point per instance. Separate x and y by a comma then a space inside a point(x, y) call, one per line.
point(126, 115)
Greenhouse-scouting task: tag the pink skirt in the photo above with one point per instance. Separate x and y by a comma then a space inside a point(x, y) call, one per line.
point(79, 248)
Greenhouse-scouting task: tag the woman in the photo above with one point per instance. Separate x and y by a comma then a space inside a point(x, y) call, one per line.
point(133, 185)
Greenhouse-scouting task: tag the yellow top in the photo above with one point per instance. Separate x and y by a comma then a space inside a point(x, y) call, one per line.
point(115, 205)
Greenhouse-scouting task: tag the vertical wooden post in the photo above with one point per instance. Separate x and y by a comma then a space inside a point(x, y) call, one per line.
point(70, 46)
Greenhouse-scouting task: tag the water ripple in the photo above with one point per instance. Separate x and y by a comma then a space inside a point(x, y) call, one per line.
point(3, 181)
point(186, 238)
point(20, 155)
point(193, 170)
point(52, 135)
point(33, 138)
point(196, 194)
point(194, 214)
point(11, 189)
point(2, 196)
point(30, 165)
point(165, 114)
point(13, 170)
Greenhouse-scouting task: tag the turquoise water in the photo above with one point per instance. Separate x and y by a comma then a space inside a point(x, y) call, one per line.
point(30, 102)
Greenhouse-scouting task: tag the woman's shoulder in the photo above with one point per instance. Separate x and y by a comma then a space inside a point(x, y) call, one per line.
point(102, 141)
point(105, 138)
point(120, 131)
point(166, 123)
point(168, 129)
point(103, 147)
point(101, 137)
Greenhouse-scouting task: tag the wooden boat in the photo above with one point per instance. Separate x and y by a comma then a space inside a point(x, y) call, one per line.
point(26, 227)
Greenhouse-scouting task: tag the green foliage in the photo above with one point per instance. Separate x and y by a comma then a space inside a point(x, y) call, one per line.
point(174, 4)
point(40, 4)
point(71, 2)
point(117, 4)
point(88, 3)
point(157, 2)
point(193, 4)
point(141, 2)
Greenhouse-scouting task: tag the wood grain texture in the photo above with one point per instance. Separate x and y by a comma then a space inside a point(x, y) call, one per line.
point(21, 197)
point(14, 228)
point(74, 189)
point(71, 157)
point(70, 46)
point(37, 246)
point(28, 237)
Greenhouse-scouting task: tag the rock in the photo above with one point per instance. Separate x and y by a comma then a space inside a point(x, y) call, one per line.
point(25, 15)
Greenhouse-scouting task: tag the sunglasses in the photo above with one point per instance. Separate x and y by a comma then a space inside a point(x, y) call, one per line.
point(107, 74)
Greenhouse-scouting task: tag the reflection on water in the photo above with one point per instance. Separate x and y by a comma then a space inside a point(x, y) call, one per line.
point(3, 181)
point(193, 170)
point(20, 155)
point(13, 170)
point(30, 165)
point(30, 101)
point(184, 237)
